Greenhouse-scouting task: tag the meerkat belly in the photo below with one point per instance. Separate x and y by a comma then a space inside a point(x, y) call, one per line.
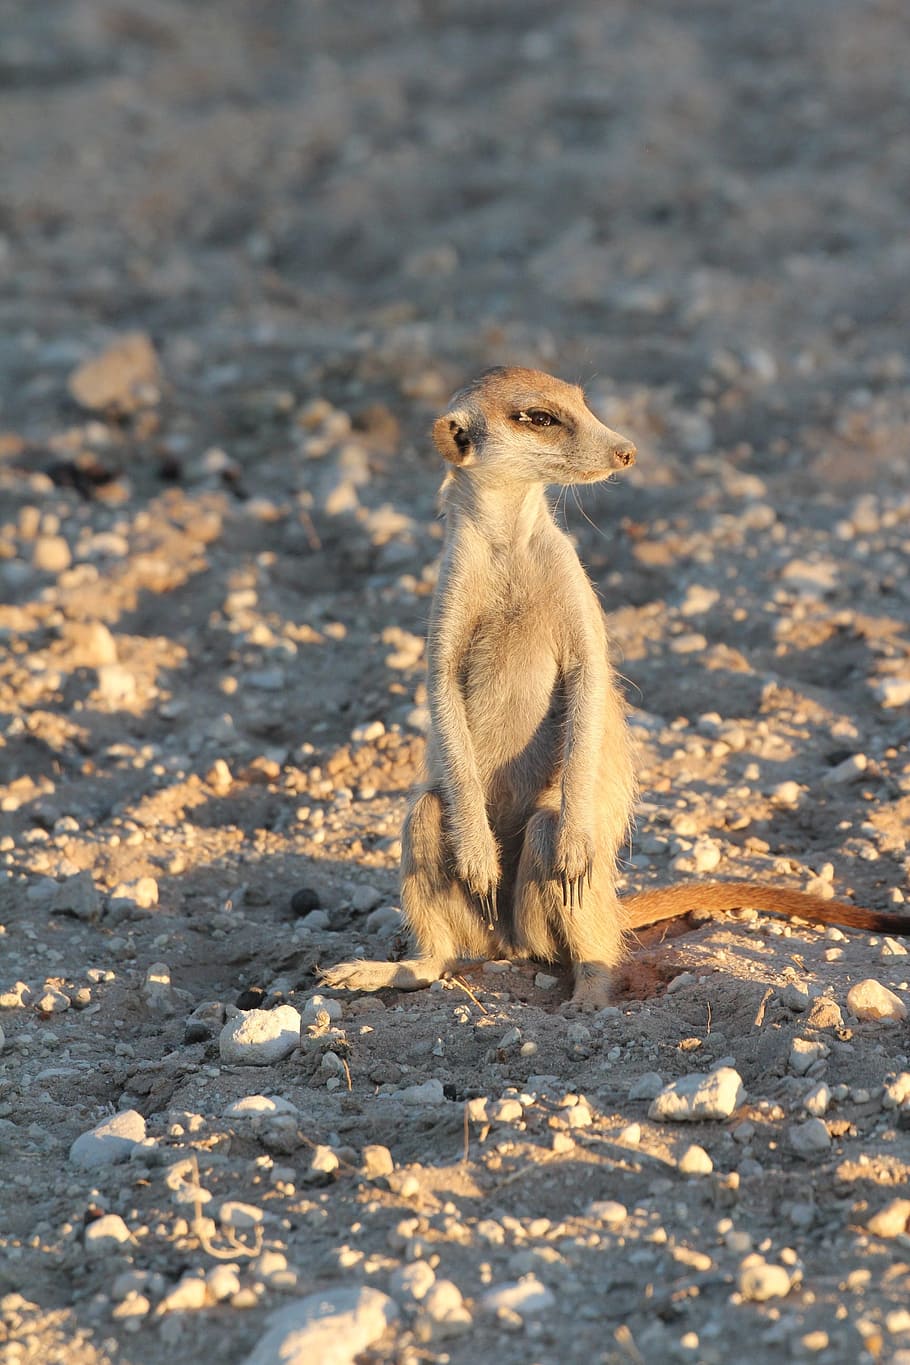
point(514, 698)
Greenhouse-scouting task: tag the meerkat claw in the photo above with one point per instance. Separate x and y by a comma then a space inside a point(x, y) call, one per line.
point(590, 871)
point(581, 892)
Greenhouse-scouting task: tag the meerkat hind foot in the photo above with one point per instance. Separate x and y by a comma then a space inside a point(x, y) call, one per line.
point(412, 974)
point(593, 986)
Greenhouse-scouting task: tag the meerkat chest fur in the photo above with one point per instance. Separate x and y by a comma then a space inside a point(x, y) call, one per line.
point(516, 648)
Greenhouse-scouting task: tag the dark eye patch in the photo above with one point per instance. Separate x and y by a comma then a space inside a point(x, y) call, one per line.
point(536, 417)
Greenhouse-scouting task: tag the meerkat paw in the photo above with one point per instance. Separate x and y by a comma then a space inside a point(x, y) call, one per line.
point(573, 859)
point(593, 987)
point(477, 865)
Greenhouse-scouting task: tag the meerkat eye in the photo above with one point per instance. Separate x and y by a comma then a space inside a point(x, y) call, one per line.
point(537, 417)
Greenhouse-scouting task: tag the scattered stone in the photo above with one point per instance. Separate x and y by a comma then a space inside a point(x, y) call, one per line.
point(824, 1013)
point(429, 1092)
point(76, 896)
point(892, 1220)
point(893, 691)
point(105, 1235)
point(120, 379)
point(817, 1100)
point(271, 1269)
point(322, 1165)
point(607, 1211)
point(869, 999)
point(544, 982)
point(442, 1312)
point(364, 899)
point(810, 1138)
point(700, 1095)
point(260, 1037)
point(804, 1053)
point(239, 1216)
point(850, 770)
point(795, 998)
point(647, 1087)
point(758, 1281)
point(412, 1281)
point(206, 1020)
point(51, 554)
point(116, 686)
point(318, 1004)
point(109, 1142)
point(158, 994)
point(222, 1282)
point(333, 1328)
point(189, 1295)
point(219, 777)
point(142, 892)
point(896, 1090)
point(527, 1297)
point(376, 1161)
point(305, 900)
point(504, 1111)
point(695, 1161)
point(52, 1001)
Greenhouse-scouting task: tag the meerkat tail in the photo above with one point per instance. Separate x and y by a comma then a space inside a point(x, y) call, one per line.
point(651, 907)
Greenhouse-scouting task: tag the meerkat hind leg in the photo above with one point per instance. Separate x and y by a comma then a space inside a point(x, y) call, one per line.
point(447, 927)
point(590, 935)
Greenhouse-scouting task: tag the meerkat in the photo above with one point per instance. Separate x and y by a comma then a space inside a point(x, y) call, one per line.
point(510, 842)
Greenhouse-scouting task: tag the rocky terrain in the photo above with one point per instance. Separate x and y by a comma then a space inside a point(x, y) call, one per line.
point(246, 252)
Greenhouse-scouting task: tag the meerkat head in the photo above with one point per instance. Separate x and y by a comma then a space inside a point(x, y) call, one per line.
point(523, 426)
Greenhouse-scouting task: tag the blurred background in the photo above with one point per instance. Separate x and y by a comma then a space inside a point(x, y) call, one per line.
point(702, 207)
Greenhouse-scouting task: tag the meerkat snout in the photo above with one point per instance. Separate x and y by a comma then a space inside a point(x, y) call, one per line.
point(624, 458)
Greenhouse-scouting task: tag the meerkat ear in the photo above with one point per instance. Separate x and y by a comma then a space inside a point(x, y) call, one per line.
point(453, 439)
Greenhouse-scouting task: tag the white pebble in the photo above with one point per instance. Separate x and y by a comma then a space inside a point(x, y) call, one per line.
point(759, 1281)
point(333, 1328)
point(810, 1138)
point(869, 999)
point(109, 1142)
point(714, 1095)
point(260, 1037)
point(892, 1220)
point(526, 1297)
point(817, 1100)
point(695, 1161)
point(608, 1211)
point(429, 1092)
point(105, 1235)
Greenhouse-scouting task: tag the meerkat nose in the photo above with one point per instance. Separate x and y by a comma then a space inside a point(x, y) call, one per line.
point(625, 456)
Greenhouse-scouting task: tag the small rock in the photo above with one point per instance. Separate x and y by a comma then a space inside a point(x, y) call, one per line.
point(695, 1161)
point(810, 1138)
point(824, 1013)
point(189, 1295)
point(76, 896)
point(869, 999)
point(795, 998)
point(365, 898)
point(105, 1235)
point(241, 1217)
point(206, 1020)
point(157, 992)
point(893, 691)
point(787, 794)
point(51, 554)
point(52, 1001)
point(526, 1297)
point(647, 1087)
point(892, 1220)
point(142, 892)
point(607, 1211)
point(332, 1328)
point(318, 1004)
point(714, 1095)
point(759, 1281)
point(222, 1282)
point(443, 1312)
point(322, 1165)
point(504, 1111)
point(817, 1100)
point(850, 770)
point(412, 1281)
point(116, 685)
point(121, 379)
point(219, 777)
point(896, 1091)
point(305, 900)
point(376, 1161)
point(804, 1053)
point(429, 1092)
point(544, 982)
point(109, 1142)
point(260, 1037)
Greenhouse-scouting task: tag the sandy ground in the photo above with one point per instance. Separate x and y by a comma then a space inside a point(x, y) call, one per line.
point(300, 226)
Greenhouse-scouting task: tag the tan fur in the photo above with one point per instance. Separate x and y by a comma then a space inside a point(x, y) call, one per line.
point(509, 846)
